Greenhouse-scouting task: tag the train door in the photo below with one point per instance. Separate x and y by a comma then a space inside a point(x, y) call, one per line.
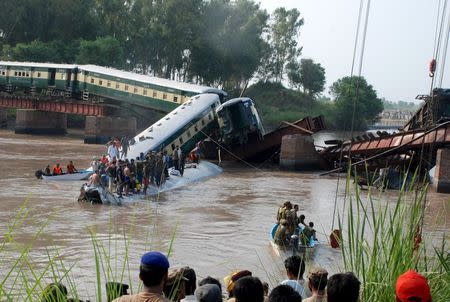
point(51, 76)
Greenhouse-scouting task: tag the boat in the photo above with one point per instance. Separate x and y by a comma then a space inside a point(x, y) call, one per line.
point(296, 247)
point(193, 172)
point(80, 175)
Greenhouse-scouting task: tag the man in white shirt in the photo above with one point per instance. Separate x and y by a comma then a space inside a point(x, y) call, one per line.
point(295, 268)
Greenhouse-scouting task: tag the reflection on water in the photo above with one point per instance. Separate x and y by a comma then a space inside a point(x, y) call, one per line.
point(218, 225)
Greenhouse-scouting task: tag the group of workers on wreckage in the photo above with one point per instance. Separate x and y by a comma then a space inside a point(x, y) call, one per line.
point(116, 172)
point(290, 224)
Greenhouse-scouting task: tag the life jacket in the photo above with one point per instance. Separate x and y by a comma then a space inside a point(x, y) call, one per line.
point(57, 170)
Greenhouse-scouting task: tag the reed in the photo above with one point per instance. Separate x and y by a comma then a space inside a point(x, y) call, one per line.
point(381, 241)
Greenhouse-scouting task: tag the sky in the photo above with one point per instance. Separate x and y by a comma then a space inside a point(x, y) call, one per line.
point(399, 42)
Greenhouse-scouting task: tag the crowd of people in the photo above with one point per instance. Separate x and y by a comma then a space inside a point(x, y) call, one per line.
point(289, 224)
point(119, 174)
point(162, 284)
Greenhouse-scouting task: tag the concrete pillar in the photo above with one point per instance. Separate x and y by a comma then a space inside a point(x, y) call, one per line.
point(30, 121)
point(3, 118)
point(100, 129)
point(298, 153)
point(442, 172)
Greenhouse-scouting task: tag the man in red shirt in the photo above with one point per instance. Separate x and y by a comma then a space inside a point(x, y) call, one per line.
point(71, 168)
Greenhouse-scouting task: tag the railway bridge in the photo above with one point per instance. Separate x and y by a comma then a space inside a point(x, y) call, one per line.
point(44, 93)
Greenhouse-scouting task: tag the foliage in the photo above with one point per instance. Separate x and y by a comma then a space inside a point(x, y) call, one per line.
point(400, 105)
point(282, 38)
point(380, 243)
point(308, 75)
point(356, 103)
point(104, 51)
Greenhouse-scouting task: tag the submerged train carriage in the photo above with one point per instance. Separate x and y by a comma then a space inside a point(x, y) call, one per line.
point(184, 127)
point(146, 91)
point(239, 119)
point(60, 79)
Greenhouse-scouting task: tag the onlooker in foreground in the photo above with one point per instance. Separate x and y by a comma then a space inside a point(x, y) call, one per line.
point(231, 280)
point(208, 293)
point(174, 289)
point(211, 280)
point(284, 293)
point(190, 284)
point(153, 272)
point(248, 289)
point(412, 286)
point(343, 287)
point(295, 268)
point(317, 282)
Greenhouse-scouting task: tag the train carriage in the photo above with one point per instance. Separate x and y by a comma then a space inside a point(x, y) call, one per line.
point(142, 90)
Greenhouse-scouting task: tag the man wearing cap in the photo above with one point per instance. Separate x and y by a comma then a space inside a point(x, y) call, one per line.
point(153, 272)
point(412, 286)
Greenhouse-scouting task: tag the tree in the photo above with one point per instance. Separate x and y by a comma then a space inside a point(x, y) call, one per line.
point(308, 75)
point(104, 51)
point(354, 94)
point(282, 37)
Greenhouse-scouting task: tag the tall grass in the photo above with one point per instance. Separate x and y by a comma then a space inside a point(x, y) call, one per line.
point(381, 241)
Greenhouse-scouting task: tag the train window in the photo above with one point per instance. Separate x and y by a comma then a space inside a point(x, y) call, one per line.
point(39, 75)
point(117, 85)
point(173, 147)
point(175, 99)
point(135, 90)
point(196, 128)
point(28, 74)
point(92, 81)
point(151, 129)
point(155, 94)
point(108, 84)
point(144, 92)
point(203, 123)
point(164, 96)
point(63, 76)
point(159, 124)
point(126, 87)
point(167, 118)
point(181, 140)
point(100, 82)
point(189, 134)
point(15, 73)
point(175, 112)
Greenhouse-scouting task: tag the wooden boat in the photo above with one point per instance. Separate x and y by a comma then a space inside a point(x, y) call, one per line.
point(80, 175)
point(295, 248)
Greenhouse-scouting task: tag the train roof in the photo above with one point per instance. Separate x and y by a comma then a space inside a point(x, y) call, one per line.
point(151, 80)
point(232, 102)
point(36, 64)
point(152, 137)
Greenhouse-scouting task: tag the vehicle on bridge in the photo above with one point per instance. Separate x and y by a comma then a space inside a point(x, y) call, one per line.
point(98, 84)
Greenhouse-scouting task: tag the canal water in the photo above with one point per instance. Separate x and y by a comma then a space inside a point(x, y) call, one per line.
point(214, 226)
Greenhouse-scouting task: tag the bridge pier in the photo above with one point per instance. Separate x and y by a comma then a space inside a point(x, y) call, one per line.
point(30, 121)
point(298, 153)
point(3, 118)
point(100, 129)
point(442, 171)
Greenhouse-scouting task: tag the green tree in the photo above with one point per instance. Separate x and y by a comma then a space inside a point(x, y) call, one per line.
point(282, 37)
point(104, 51)
point(354, 94)
point(308, 75)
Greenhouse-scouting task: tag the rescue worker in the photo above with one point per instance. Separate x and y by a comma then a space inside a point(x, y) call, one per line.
point(57, 170)
point(71, 168)
point(281, 235)
point(47, 170)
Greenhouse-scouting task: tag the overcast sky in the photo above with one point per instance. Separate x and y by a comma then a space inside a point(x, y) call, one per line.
point(399, 43)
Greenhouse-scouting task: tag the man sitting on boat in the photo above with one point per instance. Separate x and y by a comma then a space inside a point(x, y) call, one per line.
point(94, 179)
point(57, 170)
point(47, 170)
point(71, 168)
point(308, 234)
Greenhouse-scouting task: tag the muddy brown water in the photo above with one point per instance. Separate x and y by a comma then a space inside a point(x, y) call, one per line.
point(216, 225)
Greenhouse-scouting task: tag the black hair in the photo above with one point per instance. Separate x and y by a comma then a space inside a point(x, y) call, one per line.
point(311, 224)
point(343, 287)
point(248, 289)
point(318, 281)
point(295, 265)
point(190, 284)
point(302, 217)
point(284, 293)
point(210, 280)
point(152, 275)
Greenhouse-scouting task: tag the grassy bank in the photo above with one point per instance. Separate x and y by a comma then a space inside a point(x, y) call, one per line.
point(381, 241)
